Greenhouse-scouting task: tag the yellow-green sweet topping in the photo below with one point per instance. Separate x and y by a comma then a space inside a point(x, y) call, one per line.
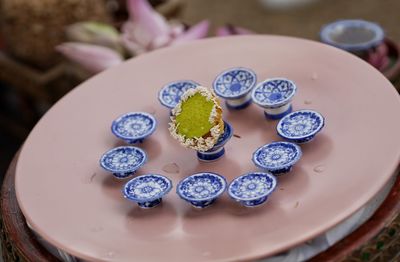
point(196, 120)
point(193, 121)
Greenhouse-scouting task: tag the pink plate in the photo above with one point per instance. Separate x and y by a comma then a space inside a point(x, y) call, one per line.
point(76, 206)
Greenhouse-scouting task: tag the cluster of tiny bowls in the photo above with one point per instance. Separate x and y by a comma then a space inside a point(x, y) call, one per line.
point(202, 189)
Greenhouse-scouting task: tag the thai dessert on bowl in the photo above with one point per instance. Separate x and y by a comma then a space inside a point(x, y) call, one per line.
point(196, 121)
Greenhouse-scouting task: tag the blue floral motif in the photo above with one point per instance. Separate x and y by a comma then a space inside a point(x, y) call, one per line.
point(234, 83)
point(170, 94)
point(252, 189)
point(277, 156)
point(134, 127)
point(147, 188)
point(300, 125)
point(201, 189)
point(123, 159)
point(274, 92)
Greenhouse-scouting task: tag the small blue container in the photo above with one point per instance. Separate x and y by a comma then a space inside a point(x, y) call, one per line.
point(218, 150)
point(352, 35)
point(123, 161)
point(134, 127)
point(300, 126)
point(278, 157)
point(274, 95)
point(235, 85)
point(147, 190)
point(201, 189)
point(170, 94)
point(252, 189)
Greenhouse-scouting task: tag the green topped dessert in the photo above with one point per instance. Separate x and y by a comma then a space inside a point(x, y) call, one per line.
point(197, 119)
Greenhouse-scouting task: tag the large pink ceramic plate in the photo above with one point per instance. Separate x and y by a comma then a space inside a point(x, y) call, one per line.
point(75, 205)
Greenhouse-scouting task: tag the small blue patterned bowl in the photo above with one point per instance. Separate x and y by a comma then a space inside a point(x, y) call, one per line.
point(170, 94)
point(277, 157)
point(234, 85)
point(123, 161)
point(300, 126)
point(147, 190)
point(352, 35)
point(201, 189)
point(252, 189)
point(274, 95)
point(134, 127)
point(218, 150)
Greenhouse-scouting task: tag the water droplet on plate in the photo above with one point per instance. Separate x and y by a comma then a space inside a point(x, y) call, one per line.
point(319, 168)
point(96, 229)
point(314, 76)
point(171, 168)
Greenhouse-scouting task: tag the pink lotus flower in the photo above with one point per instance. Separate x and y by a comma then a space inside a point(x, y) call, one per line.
point(232, 30)
point(93, 58)
point(147, 30)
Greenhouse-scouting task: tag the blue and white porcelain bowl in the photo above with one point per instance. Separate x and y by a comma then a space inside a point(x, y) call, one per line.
point(252, 189)
point(235, 85)
point(170, 94)
point(218, 150)
point(274, 95)
point(134, 127)
point(277, 157)
point(201, 189)
point(352, 35)
point(147, 190)
point(123, 161)
point(300, 126)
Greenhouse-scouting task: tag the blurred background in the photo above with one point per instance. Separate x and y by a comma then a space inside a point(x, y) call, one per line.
point(48, 47)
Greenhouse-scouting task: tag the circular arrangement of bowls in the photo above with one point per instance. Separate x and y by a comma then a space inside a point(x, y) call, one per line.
point(300, 126)
point(274, 95)
point(147, 190)
point(352, 35)
point(134, 127)
point(123, 161)
point(201, 189)
point(170, 94)
point(277, 157)
point(218, 150)
point(252, 189)
point(235, 85)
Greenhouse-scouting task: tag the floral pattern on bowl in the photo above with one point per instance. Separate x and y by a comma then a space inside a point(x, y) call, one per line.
point(235, 85)
point(252, 189)
point(134, 127)
point(147, 190)
point(123, 161)
point(275, 95)
point(201, 189)
point(300, 126)
point(277, 157)
point(170, 94)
